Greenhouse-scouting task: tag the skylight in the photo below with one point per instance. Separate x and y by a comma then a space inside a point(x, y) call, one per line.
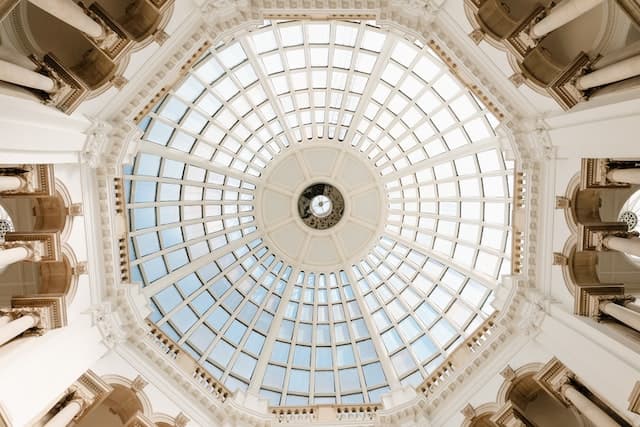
point(213, 209)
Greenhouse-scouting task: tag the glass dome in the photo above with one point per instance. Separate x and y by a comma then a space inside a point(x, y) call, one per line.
point(306, 302)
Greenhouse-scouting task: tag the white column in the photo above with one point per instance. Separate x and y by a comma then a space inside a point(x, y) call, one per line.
point(69, 12)
point(66, 414)
point(629, 246)
point(625, 315)
point(587, 408)
point(565, 12)
point(18, 75)
point(8, 183)
point(15, 57)
point(610, 74)
point(631, 176)
point(25, 363)
point(13, 255)
point(16, 327)
point(4, 319)
point(617, 55)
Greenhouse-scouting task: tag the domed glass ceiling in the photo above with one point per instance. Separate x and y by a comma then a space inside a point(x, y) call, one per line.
point(271, 299)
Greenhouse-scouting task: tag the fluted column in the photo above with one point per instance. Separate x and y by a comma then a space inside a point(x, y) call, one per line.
point(17, 327)
point(610, 74)
point(565, 12)
point(625, 315)
point(66, 414)
point(69, 12)
point(18, 75)
point(629, 245)
point(586, 407)
point(631, 176)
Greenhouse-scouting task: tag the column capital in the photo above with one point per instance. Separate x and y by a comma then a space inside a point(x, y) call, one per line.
point(35, 249)
point(553, 378)
point(38, 180)
point(587, 298)
point(599, 238)
point(510, 415)
point(51, 309)
point(42, 316)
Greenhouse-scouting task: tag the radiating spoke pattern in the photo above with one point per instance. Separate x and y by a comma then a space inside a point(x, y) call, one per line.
point(258, 319)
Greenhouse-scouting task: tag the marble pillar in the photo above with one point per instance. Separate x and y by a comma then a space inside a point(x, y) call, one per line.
point(565, 12)
point(69, 12)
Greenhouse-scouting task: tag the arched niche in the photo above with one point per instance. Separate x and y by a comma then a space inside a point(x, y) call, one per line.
point(480, 416)
point(140, 19)
point(73, 50)
point(123, 405)
point(522, 390)
point(47, 278)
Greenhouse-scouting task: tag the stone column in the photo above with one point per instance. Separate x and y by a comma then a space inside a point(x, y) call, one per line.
point(11, 183)
point(610, 74)
point(631, 176)
point(565, 12)
point(64, 417)
point(625, 315)
point(4, 319)
point(15, 57)
point(629, 245)
point(18, 75)
point(16, 327)
point(69, 12)
point(586, 407)
point(13, 255)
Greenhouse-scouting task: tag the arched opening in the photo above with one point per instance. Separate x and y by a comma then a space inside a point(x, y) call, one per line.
point(539, 407)
point(75, 52)
point(117, 410)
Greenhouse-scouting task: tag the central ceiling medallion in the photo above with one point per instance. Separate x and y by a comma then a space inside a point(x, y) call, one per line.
point(321, 206)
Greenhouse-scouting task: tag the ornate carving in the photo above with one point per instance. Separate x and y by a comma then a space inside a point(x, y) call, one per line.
point(511, 415)
point(98, 139)
point(119, 82)
point(469, 412)
point(508, 373)
point(518, 79)
point(113, 40)
point(587, 298)
point(160, 37)
point(181, 420)
point(138, 384)
point(52, 309)
point(81, 268)
point(563, 202)
point(38, 180)
point(108, 324)
point(560, 259)
point(553, 377)
point(43, 247)
point(69, 91)
point(477, 36)
point(75, 209)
